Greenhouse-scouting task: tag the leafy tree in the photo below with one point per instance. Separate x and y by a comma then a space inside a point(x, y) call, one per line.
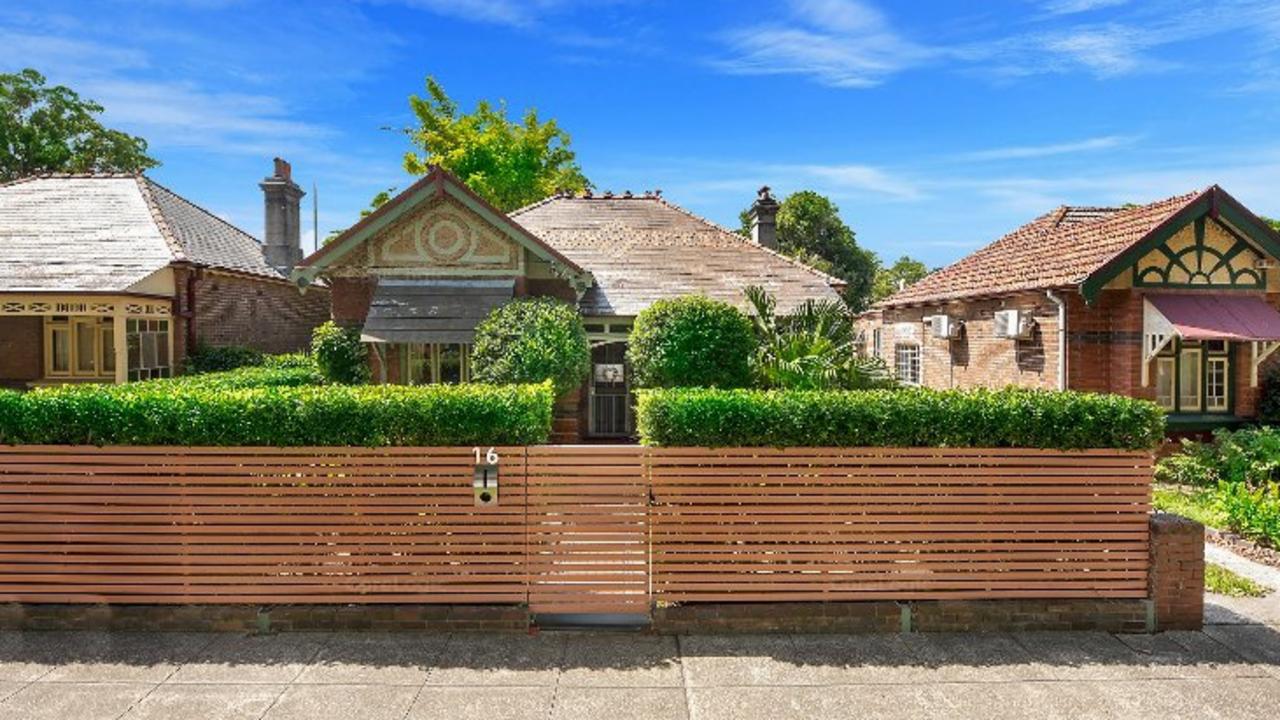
point(888, 279)
point(51, 129)
point(811, 348)
point(1275, 224)
point(509, 163)
point(810, 230)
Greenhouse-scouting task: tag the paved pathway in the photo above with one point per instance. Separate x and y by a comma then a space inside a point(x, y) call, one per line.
point(1231, 670)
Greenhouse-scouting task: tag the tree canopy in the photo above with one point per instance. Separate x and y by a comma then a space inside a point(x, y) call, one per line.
point(1275, 224)
point(905, 271)
point(52, 129)
point(810, 230)
point(509, 163)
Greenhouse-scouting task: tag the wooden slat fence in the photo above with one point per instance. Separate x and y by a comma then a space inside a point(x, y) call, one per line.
point(257, 525)
point(897, 524)
point(588, 530)
point(577, 528)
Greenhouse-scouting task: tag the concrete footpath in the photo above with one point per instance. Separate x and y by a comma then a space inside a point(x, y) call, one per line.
point(1231, 670)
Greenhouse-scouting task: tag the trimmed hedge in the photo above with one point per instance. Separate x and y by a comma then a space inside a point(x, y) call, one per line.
point(246, 377)
point(185, 414)
point(691, 341)
point(531, 340)
point(220, 358)
point(911, 417)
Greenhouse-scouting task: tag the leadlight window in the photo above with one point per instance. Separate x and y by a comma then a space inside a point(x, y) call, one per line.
point(148, 345)
point(907, 363)
point(1194, 377)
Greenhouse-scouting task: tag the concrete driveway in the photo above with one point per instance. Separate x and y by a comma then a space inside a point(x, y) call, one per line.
point(1230, 671)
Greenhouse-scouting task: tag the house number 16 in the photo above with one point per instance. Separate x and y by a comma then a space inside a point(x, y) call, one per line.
point(490, 456)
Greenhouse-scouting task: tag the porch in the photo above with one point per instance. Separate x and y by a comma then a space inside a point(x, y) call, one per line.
point(54, 339)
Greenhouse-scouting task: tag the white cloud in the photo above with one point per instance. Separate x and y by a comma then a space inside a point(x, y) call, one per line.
point(1070, 7)
point(1019, 152)
point(842, 43)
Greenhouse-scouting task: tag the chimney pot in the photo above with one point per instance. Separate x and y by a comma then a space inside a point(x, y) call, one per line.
point(764, 219)
point(282, 230)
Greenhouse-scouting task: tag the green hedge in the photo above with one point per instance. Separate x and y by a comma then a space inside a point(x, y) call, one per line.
point(246, 377)
point(691, 341)
point(184, 414)
point(909, 417)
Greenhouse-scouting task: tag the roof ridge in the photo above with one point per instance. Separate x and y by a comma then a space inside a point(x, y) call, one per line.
point(162, 223)
point(829, 279)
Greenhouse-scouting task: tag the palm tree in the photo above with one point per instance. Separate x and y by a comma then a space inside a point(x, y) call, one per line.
point(811, 348)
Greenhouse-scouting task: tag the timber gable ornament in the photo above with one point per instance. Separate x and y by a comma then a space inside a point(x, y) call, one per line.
point(441, 239)
point(1204, 253)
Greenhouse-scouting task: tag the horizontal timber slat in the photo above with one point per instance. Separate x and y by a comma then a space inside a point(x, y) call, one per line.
point(577, 529)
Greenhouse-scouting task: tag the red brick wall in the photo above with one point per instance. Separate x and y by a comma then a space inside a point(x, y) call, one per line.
point(351, 297)
point(21, 350)
point(1177, 572)
point(978, 358)
point(230, 309)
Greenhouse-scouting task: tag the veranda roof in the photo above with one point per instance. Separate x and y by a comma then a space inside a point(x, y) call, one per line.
point(432, 311)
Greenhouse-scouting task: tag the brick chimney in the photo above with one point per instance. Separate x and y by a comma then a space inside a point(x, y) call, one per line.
point(764, 219)
point(282, 238)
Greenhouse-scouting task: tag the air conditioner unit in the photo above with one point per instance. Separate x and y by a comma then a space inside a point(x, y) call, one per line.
point(943, 326)
point(1013, 324)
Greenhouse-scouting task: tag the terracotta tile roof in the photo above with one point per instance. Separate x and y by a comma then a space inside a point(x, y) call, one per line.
point(643, 248)
point(105, 232)
point(1058, 249)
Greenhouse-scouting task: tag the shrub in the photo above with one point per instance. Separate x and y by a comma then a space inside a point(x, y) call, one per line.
point(339, 354)
point(1254, 512)
point(217, 358)
point(187, 414)
point(246, 377)
point(908, 417)
point(691, 341)
point(528, 341)
point(1269, 397)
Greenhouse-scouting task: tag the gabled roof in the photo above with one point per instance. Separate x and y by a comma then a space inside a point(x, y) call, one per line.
point(1076, 246)
point(106, 232)
point(643, 248)
point(436, 183)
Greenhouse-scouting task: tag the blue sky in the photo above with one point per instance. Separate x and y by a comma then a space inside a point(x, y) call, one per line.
point(936, 126)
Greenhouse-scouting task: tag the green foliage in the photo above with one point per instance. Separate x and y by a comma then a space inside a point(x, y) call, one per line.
point(217, 358)
point(506, 162)
point(339, 354)
point(1222, 581)
point(905, 271)
point(811, 348)
point(246, 377)
point(913, 417)
point(810, 230)
point(1271, 222)
point(51, 129)
point(1269, 398)
point(532, 340)
point(691, 341)
point(1199, 504)
point(1252, 510)
point(174, 413)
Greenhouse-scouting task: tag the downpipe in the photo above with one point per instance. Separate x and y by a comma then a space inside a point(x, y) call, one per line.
point(1062, 337)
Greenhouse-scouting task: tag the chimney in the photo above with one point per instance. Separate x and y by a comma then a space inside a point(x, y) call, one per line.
point(764, 219)
point(282, 241)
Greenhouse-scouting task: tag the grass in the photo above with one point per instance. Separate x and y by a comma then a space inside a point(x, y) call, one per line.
point(1196, 503)
point(1222, 581)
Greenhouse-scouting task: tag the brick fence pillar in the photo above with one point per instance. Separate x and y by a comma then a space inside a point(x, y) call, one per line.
point(1177, 572)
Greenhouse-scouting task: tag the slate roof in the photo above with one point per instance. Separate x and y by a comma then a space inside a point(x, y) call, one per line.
point(105, 233)
point(643, 248)
point(1058, 249)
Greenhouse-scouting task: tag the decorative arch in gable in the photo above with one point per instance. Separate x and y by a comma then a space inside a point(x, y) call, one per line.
point(1203, 254)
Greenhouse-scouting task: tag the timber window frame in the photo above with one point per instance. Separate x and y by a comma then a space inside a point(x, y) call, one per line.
point(908, 365)
point(1194, 377)
point(79, 347)
point(435, 363)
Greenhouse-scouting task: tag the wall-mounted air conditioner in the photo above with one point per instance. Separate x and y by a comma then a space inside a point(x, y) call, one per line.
point(1013, 324)
point(944, 326)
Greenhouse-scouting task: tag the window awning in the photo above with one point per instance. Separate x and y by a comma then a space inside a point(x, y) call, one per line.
point(1209, 316)
point(1219, 317)
point(432, 311)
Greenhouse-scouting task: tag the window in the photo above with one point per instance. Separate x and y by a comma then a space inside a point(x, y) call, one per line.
point(906, 363)
point(79, 347)
point(148, 344)
point(877, 346)
point(426, 363)
point(1194, 377)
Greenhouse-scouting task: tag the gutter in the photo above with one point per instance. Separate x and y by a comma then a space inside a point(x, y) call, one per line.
point(1062, 337)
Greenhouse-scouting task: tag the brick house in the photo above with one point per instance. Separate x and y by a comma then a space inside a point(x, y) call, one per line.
point(417, 275)
point(111, 278)
point(1171, 301)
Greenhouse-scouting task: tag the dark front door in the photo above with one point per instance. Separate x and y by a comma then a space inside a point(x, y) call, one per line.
point(609, 411)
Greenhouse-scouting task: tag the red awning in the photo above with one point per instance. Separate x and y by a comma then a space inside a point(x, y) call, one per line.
point(1219, 317)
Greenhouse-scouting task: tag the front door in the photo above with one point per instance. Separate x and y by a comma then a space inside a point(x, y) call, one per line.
point(609, 403)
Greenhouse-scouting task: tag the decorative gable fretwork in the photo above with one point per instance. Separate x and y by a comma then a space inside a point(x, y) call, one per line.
point(72, 305)
point(1204, 254)
point(442, 238)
